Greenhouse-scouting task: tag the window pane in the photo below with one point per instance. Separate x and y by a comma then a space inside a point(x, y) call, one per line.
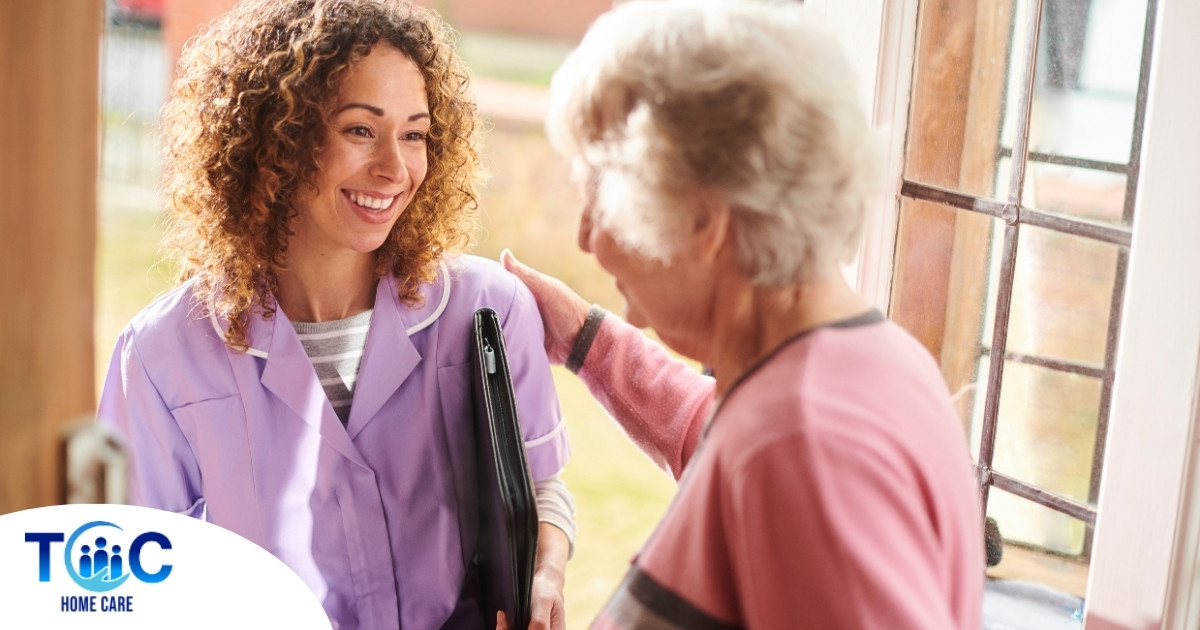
point(1085, 94)
point(1045, 437)
point(134, 66)
point(1019, 562)
point(1062, 295)
point(976, 87)
point(1028, 523)
point(940, 290)
point(1077, 192)
point(958, 94)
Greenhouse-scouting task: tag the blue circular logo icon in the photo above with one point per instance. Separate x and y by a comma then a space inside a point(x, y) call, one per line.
point(98, 564)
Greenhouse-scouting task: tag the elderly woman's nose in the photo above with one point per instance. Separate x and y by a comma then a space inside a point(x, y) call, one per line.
point(585, 230)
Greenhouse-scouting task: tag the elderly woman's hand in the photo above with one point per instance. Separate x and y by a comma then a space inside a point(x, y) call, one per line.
point(563, 310)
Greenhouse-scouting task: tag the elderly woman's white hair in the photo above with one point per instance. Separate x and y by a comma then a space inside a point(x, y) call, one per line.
point(664, 101)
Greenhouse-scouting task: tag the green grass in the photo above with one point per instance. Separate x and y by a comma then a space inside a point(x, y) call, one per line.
point(619, 496)
point(530, 207)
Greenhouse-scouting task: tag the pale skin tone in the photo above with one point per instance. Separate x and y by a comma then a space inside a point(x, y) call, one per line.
point(373, 161)
point(699, 304)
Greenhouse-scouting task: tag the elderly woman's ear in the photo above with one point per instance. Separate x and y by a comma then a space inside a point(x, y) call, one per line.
point(713, 230)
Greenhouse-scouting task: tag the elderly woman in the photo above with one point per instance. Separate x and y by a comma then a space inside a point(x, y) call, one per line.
point(823, 478)
point(307, 385)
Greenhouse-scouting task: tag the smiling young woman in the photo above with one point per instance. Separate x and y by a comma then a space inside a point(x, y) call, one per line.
point(307, 383)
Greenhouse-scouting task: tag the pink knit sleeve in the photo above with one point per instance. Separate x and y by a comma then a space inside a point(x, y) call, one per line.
point(660, 402)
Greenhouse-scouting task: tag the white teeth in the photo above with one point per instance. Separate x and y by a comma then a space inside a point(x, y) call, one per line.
point(373, 203)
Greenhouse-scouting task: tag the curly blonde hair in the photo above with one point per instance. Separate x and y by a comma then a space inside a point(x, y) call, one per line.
point(243, 132)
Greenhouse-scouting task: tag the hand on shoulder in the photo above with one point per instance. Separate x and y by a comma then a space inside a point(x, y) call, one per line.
point(563, 310)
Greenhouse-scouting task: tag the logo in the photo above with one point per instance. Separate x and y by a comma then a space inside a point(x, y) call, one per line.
point(138, 568)
point(98, 559)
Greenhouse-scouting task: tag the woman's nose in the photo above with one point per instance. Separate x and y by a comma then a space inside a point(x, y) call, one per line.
point(389, 161)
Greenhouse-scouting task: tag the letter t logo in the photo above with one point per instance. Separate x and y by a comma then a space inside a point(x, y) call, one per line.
point(43, 540)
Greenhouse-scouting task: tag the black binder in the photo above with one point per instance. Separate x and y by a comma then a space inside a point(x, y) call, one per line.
point(508, 525)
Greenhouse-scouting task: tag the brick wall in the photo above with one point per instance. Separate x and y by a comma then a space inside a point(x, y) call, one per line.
point(182, 19)
point(557, 19)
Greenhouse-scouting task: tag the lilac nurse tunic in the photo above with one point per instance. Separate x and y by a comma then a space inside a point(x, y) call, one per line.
point(376, 516)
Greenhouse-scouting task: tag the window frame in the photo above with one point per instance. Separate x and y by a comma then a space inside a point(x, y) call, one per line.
point(1144, 571)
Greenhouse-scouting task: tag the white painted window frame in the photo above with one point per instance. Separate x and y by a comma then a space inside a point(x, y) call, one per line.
point(1145, 570)
point(1144, 564)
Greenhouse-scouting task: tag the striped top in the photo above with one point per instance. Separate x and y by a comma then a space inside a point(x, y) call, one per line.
point(335, 349)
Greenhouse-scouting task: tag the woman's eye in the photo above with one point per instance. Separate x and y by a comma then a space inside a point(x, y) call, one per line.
point(416, 136)
point(360, 131)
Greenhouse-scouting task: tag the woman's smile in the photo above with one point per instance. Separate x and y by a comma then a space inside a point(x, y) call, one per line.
point(370, 201)
point(373, 208)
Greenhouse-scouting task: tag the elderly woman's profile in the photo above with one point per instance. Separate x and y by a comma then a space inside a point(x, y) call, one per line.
point(824, 481)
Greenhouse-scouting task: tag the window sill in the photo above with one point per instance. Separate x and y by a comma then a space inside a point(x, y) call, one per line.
point(1062, 574)
point(1022, 605)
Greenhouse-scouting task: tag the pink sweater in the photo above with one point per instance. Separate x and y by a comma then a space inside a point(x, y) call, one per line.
point(833, 488)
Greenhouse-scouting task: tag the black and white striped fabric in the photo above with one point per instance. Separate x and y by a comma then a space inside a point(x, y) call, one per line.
point(335, 349)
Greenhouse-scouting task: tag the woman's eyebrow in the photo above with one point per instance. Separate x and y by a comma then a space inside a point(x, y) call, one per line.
point(378, 111)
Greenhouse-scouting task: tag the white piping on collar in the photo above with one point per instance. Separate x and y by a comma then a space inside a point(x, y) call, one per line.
point(255, 352)
point(441, 305)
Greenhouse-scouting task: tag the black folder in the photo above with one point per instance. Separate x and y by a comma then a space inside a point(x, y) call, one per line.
point(508, 525)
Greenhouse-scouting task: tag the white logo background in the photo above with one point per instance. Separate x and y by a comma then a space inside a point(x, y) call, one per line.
point(219, 580)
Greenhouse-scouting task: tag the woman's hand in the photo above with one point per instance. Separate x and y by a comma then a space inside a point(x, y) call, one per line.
point(563, 310)
point(549, 574)
point(546, 609)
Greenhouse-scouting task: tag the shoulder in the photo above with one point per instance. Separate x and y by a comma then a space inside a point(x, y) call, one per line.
point(868, 394)
point(871, 361)
point(867, 387)
point(477, 282)
point(173, 320)
point(480, 278)
point(463, 285)
point(166, 308)
point(177, 348)
point(882, 347)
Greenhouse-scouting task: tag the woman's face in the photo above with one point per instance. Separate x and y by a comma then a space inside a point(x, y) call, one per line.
point(674, 298)
point(372, 162)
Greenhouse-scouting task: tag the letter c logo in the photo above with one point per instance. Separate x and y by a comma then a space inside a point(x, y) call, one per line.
point(135, 557)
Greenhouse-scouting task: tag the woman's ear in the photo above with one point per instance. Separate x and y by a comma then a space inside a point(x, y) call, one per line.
point(713, 227)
